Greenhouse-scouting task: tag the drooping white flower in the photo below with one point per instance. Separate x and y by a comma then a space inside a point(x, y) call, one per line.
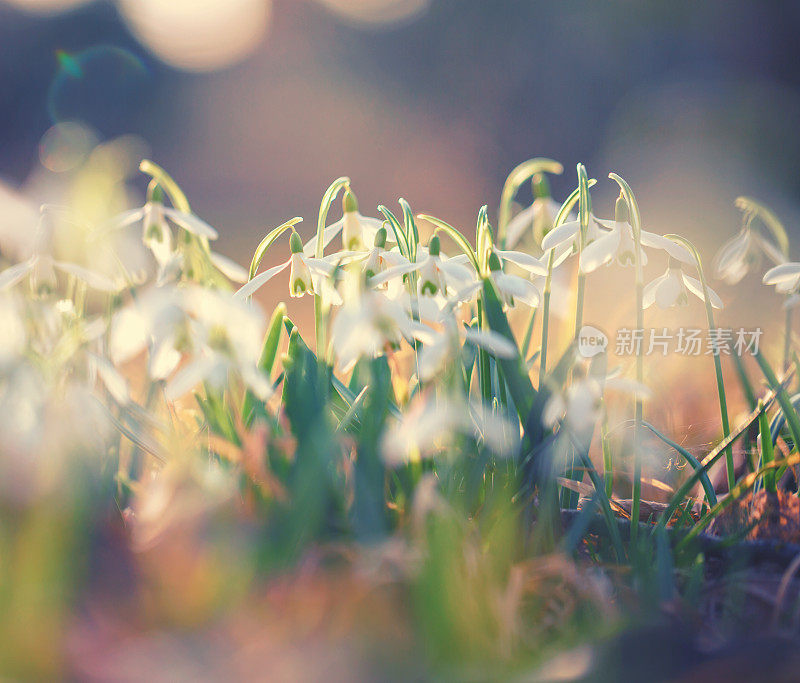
point(227, 335)
point(608, 241)
point(673, 287)
point(429, 426)
point(156, 232)
point(445, 347)
point(537, 218)
point(785, 277)
point(512, 288)
point(579, 406)
point(357, 230)
point(368, 321)
point(437, 275)
point(305, 273)
point(743, 253)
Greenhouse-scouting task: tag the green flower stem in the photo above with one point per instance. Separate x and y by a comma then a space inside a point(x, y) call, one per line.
point(787, 340)
point(723, 403)
point(566, 207)
point(584, 210)
point(636, 225)
point(521, 174)
point(328, 198)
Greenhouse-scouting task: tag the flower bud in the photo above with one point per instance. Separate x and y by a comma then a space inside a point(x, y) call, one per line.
point(349, 202)
point(541, 186)
point(494, 262)
point(434, 246)
point(380, 237)
point(295, 243)
point(621, 210)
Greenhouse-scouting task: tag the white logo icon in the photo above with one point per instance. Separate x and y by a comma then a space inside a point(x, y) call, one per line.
point(591, 341)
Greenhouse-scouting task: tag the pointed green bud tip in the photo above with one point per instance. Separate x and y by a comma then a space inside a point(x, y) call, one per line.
point(155, 193)
point(434, 246)
point(621, 210)
point(295, 243)
point(494, 262)
point(349, 201)
point(541, 186)
point(380, 237)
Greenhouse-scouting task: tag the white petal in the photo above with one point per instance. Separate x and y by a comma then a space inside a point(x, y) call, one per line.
point(190, 376)
point(259, 280)
point(116, 384)
point(14, 274)
point(310, 247)
point(394, 272)
point(769, 248)
point(600, 251)
point(491, 341)
point(518, 225)
point(785, 272)
point(520, 288)
point(95, 280)
point(191, 223)
point(677, 251)
point(563, 233)
point(731, 254)
point(229, 268)
point(455, 272)
point(669, 290)
point(125, 219)
point(525, 261)
point(696, 288)
point(649, 295)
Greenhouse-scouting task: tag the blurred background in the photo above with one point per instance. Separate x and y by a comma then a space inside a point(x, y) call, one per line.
point(255, 106)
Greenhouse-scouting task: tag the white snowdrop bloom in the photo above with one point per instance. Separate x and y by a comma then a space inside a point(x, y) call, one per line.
point(512, 288)
point(305, 273)
point(608, 241)
point(673, 287)
point(743, 253)
point(579, 406)
point(156, 321)
point(437, 274)
point(565, 235)
point(444, 348)
point(156, 232)
point(357, 230)
point(429, 425)
point(367, 322)
point(785, 278)
point(227, 334)
point(537, 218)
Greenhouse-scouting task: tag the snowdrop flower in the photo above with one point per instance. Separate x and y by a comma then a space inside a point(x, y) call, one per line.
point(512, 288)
point(429, 425)
point(156, 232)
point(436, 273)
point(673, 287)
point(786, 279)
point(539, 216)
point(42, 267)
point(357, 230)
point(157, 321)
point(227, 335)
point(609, 241)
point(444, 348)
point(743, 253)
point(303, 270)
point(367, 322)
point(579, 406)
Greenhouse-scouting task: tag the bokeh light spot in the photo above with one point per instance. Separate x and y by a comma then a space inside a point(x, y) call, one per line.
point(96, 86)
point(199, 35)
point(377, 12)
point(65, 146)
